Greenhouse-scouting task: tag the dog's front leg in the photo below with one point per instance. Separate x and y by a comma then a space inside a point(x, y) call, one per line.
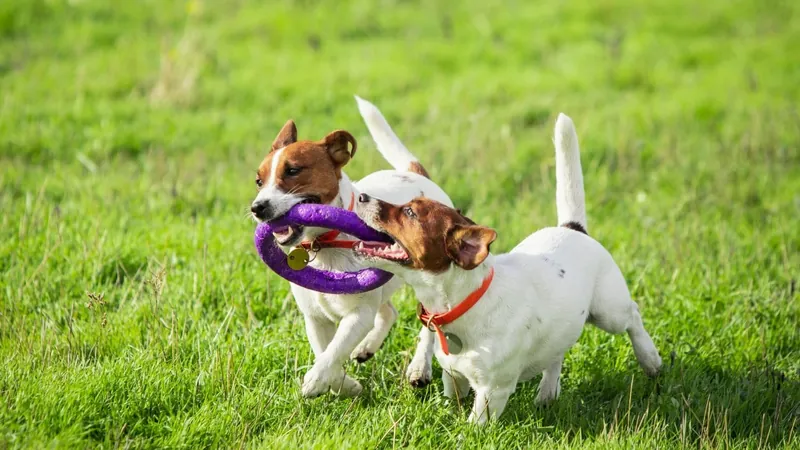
point(320, 332)
point(420, 370)
point(328, 371)
point(489, 403)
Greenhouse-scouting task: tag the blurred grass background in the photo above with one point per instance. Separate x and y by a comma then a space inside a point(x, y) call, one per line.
point(129, 137)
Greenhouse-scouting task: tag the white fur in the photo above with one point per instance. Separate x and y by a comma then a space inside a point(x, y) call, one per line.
point(364, 320)
point(570, 202)
point(388, 143)
point(543, 292)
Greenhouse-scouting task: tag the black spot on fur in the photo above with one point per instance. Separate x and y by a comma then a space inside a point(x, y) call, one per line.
point(575, 226)
point(561, 273)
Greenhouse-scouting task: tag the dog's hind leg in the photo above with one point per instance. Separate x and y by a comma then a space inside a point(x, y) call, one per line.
point(550, 386)
point(643, 347)
point(613, 310)
point(384, 320)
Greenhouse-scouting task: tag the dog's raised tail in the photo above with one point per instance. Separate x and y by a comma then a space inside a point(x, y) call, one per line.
point(390, 146)
point(570, 199)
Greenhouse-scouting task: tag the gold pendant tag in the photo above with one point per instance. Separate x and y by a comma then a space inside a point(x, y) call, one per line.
point(454, 344)
point(297, 259)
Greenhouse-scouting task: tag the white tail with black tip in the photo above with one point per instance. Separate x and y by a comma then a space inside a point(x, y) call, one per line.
point(390, 146)
point(570, 198)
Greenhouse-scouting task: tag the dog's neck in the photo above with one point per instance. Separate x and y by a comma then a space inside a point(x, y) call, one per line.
point(337, 258)
point(441, 292)
point(347, 191)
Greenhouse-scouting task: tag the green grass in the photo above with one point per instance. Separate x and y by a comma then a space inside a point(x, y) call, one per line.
point(129, 137)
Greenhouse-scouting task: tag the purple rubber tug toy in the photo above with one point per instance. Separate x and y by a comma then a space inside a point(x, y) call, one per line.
point(325, 281)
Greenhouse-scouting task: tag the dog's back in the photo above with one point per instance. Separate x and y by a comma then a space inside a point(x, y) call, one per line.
point(409, 179)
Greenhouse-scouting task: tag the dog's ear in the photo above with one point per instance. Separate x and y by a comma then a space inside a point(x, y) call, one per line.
point(287, 135)
point(468, 245)
point(341, 147)
point(471, 222)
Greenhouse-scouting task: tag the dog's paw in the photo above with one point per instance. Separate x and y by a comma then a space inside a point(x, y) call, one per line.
point(419, 375)
point(652, 365)
point(479, 420)
point(547, 394)
point(544, 399)
point(362, 354)
point(320, 380)
point(347, 388)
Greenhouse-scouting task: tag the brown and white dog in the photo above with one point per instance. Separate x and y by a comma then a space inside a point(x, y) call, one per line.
point(509, 317)
point(299, 171)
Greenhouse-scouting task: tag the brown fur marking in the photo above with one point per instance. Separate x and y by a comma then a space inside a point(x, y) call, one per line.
point(319, 162)
point(417, 168)
point(434, 235)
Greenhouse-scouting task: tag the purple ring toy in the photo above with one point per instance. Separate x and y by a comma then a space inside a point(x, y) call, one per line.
point(325, 281)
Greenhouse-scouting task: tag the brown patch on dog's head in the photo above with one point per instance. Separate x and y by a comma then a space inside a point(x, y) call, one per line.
point(311, 169)
point(434, 235)
point(417, 168)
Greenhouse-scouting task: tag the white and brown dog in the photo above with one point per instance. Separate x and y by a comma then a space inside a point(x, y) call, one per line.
point(311, 171)
point(506, 318)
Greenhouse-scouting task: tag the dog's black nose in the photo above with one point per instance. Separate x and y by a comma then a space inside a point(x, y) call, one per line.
point(262, 210)
point(363, 198)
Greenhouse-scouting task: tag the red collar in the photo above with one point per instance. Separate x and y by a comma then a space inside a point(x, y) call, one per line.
point(437, 320)
point(328, 240)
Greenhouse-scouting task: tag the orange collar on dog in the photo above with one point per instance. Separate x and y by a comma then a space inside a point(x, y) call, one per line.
point(437, 320)
point(328, 240)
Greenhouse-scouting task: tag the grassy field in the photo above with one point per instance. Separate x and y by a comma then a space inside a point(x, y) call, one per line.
point(134, 311)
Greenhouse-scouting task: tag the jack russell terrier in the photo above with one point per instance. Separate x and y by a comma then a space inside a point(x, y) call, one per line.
point(311, 172)
point(503, 319)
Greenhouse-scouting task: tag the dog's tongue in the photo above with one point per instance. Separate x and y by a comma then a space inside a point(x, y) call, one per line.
point(282, 230)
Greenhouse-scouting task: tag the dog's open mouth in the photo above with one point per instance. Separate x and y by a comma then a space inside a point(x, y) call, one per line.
point(388, 251)
point(286, 235)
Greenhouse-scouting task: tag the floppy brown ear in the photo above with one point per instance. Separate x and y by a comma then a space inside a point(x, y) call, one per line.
point(287, 135)
point(338, 144)
point(468, 245)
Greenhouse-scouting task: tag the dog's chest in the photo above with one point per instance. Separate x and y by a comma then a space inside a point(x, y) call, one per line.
point(331, 306)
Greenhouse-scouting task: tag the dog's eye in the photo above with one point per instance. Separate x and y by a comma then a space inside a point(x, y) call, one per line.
point(408, 212)
point(292, 171)
point(259, 183)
